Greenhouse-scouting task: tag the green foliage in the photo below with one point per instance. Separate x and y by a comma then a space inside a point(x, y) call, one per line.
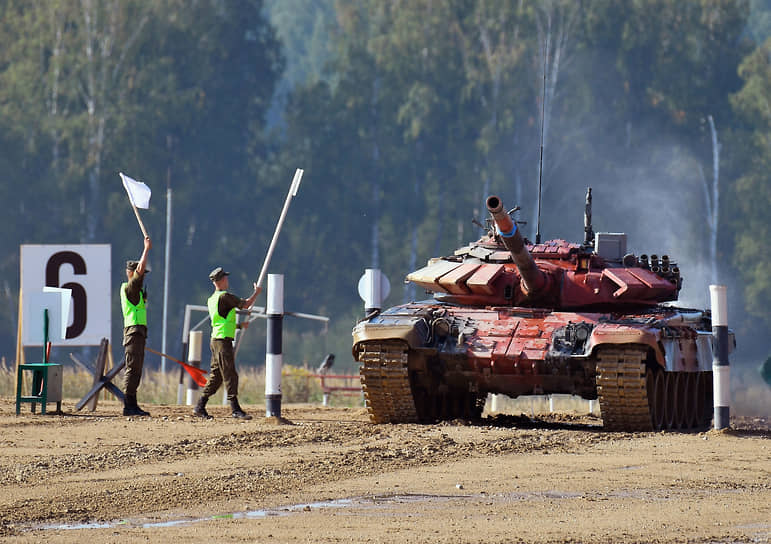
point(753, 188)
point(404, 116)
point(765, 371)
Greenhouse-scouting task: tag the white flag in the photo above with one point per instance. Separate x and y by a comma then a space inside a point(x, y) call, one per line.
point(138, 192)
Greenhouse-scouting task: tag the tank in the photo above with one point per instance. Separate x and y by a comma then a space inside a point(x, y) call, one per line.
point(509, 317)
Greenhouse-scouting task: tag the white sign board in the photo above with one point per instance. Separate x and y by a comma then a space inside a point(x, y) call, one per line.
point(84, 270)
point(57, 304)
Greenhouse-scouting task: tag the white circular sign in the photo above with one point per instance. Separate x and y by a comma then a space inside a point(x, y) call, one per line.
point(373, 288)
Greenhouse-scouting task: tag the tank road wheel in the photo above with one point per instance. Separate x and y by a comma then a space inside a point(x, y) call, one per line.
point(476, 405)
point(428, 399)
point(655, 385)
point(690, 400)
point(700, 399)
point(670, 400)
point(385, 382)
point(423, 403)
point(681, 408)
point(448, 406)
point(622, 389)
point(704, 400)
point(468, 406)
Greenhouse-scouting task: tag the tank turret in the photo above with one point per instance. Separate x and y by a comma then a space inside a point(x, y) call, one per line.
point(533, 279)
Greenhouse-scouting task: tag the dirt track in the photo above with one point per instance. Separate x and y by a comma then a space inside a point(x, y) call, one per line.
point(330, 476)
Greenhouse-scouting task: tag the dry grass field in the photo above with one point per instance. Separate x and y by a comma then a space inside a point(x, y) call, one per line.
point(750, 395)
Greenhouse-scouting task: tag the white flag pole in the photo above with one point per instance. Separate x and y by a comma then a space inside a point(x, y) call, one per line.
point(292, 192)
point(141, 225)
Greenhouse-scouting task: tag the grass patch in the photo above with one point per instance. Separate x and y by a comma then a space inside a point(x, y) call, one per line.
point(298, 384)
point(750, 396)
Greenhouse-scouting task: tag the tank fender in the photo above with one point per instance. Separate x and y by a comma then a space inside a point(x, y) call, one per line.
point(606, 334)
point(414, 331)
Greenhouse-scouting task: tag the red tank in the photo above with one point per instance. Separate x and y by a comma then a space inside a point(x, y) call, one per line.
point(514, 318)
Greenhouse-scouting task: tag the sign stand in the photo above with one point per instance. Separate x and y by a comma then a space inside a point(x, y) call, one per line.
point(46, 379)
point(101, 380)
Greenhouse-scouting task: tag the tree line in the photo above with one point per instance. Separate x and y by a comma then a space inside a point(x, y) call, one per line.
point(404, 116)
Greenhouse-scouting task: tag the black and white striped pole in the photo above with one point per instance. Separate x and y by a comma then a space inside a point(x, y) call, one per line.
point(720, 368)
point(273, 356)
point(193, 359)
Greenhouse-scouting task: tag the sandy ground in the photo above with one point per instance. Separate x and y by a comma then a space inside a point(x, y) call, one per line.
point(328, 475)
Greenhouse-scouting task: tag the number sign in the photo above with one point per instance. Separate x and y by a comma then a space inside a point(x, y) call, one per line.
point(83, 269)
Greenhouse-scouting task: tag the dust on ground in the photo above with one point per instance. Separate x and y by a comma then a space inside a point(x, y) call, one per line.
point(328, 475)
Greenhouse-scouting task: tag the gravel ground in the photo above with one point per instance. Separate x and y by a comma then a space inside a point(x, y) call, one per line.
point(328, 475)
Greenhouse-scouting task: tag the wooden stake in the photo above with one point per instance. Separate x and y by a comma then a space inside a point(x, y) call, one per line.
point(19, 346)
point(108, 365)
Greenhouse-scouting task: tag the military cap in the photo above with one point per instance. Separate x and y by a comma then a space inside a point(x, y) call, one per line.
point(218, 274)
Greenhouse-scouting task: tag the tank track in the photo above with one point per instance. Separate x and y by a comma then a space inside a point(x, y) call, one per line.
point(622, 390)
point(386, 382)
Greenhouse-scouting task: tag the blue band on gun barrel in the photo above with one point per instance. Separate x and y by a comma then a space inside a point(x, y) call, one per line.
point(510, 233)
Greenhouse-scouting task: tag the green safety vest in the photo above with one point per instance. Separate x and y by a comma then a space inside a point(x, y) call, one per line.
point(132, 315)
point(221, 327)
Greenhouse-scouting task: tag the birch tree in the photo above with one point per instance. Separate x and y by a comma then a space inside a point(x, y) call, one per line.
point(555, 22)
point(493, 48)
point(711, 192)
point(107, 35)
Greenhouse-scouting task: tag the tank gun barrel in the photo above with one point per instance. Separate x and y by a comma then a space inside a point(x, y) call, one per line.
point(533, 279)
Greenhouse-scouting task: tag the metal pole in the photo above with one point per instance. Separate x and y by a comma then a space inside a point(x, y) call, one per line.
point(720, 368)
point(273, 355)
point(374, 289)
point(194, 359)
point(166, 264)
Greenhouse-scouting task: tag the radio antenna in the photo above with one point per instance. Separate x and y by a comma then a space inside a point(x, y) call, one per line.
point(540, 162)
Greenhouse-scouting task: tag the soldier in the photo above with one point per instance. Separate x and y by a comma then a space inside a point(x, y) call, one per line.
point(222, 312)
point(132, 301)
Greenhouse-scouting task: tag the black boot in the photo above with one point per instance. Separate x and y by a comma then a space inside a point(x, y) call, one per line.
point(200, 408)
point(131, 408)
point(237, 412)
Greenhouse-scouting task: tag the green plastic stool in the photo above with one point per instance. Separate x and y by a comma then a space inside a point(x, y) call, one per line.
point(46, 386)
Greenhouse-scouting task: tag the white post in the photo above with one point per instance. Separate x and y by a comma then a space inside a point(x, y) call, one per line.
point(494, 403)
point(194, 359)
point(551, 404)
point(185, 340)
point(720, 369)
point(372, 281)
point(273, 356)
